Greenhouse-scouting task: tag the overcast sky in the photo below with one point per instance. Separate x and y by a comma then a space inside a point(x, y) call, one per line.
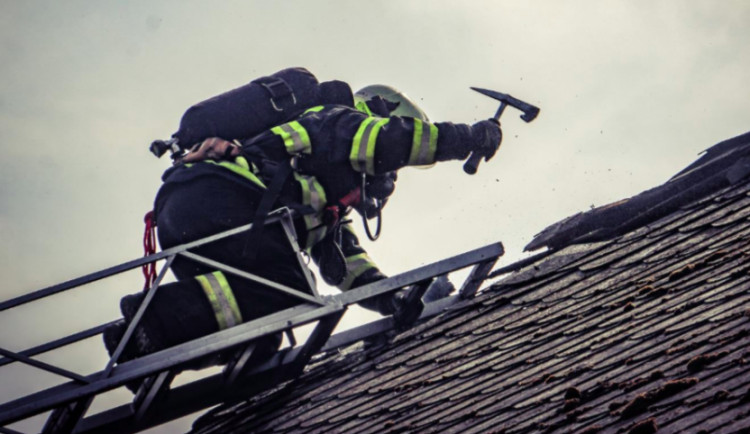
point(630, 92)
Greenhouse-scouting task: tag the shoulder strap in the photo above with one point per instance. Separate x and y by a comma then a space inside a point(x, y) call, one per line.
point(266, 203)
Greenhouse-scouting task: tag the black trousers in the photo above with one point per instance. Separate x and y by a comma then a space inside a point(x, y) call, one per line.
point(193, 209)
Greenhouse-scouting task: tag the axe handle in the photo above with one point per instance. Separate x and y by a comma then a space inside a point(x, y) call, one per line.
point(472, 163)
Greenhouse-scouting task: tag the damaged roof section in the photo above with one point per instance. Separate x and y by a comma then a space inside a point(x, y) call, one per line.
point(645, 330)
point(720, 166)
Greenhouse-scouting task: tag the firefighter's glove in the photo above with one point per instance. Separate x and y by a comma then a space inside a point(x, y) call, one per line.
point(212, 148)
point(486, 136)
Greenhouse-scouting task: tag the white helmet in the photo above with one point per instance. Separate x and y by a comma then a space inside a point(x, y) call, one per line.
point(406, 107)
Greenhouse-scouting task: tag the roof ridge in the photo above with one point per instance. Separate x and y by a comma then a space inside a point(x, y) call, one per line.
point(723, 164)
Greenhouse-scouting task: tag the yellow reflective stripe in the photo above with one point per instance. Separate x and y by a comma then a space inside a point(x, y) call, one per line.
point(219, 294)
point(362, 156)
point(354, 156)
point(295, 137)
point(228, 299)
point(313, 195)
point(242, 162)
point(314, 109)
point(424, 144)
point(355, 266)
point(240, 167)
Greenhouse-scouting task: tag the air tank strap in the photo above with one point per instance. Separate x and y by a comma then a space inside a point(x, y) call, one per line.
point(279, 90)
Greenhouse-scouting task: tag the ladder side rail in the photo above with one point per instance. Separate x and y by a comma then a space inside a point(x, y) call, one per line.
point(52, 345)
point(209, 391)
point(126, 266)
point(181, 401)
point(142, 367)
point(103, 422)
point(67, 417)
point(417, 275)
point(356, 334)
point(225, 339)
point(70, 416)
point(169, 254)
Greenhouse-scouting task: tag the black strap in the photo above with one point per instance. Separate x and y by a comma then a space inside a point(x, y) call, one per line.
point(283, 171)
point(279, 90)
point(378, 207)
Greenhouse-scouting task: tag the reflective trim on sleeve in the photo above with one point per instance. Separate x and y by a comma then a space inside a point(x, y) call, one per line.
point(314, 109)
point(296, 139)
point(424, 144)
point(219, 294)
point(355, 266)
point(362, 156)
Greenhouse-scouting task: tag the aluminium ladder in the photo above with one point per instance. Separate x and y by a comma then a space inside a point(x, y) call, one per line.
point(156, 402)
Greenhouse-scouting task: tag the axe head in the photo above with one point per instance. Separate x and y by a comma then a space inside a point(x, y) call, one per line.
point(529, 111)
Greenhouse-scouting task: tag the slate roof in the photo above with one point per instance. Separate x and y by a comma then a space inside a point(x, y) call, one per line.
point(622, 327)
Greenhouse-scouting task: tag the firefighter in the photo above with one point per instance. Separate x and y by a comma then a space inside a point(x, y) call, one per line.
point(345, 156)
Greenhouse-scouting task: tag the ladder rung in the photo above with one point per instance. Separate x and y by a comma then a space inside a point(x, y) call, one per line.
point(151, 391)
point(286, 365)
point(476, 277)
point(238, 363)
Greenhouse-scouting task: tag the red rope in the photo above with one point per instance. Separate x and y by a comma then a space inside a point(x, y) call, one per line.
point(149, 248)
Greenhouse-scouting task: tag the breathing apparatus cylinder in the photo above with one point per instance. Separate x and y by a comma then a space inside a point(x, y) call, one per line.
point(248, 110)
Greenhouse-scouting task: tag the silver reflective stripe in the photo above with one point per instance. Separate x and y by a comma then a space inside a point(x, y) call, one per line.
point(313, 195)
point(316, 197)
point(295, 137)
point(362, 156)
point(424, 144)
point(359, 150)
point(222, 300)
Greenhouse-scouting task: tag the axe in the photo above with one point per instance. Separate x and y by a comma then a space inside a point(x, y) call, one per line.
point(529, 114)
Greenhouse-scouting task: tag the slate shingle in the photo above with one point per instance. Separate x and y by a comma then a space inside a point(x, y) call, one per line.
point(649, 329)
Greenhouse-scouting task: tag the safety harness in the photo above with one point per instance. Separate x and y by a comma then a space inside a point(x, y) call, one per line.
point(149, 248)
